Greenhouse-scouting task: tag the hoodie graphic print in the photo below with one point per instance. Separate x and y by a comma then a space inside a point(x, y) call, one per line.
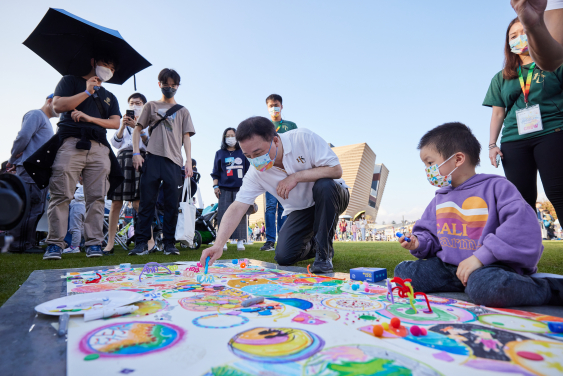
point(485, 217)
point(464, 223)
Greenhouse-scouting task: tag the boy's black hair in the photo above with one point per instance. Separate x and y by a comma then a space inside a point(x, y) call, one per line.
point(106, 54)
point(256, 125)
point(138, 95)
point(224, 145)
point(167, 73)
point(451, 138)
point(274, 97)
point(194, 162)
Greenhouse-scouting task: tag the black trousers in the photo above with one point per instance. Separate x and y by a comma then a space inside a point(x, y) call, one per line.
point(523, 159)
point(308, 231)
point(155, 170)
point(24, 232)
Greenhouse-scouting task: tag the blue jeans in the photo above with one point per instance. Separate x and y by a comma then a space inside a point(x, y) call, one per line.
point(272, 205)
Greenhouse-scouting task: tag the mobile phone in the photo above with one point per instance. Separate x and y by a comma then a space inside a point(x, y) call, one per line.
point(498, 160)
point(130, 113)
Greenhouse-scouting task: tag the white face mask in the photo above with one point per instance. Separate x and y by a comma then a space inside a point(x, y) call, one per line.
point(231, 141)
point(136, 109)
point(105, 74)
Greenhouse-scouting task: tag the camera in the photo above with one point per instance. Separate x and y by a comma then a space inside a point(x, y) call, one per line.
point(14, 205)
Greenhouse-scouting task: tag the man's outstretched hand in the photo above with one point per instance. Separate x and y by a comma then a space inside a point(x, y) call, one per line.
point(214, 252)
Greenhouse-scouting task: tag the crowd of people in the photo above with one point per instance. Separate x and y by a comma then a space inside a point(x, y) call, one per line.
point(477, 231)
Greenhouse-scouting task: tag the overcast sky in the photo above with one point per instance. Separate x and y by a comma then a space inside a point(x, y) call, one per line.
point(353, 71)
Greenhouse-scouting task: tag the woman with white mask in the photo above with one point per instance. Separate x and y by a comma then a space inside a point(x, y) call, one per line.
point(229, 168)
point(129, 190)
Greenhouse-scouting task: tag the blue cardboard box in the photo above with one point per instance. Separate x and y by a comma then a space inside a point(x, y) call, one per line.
point(368, 274)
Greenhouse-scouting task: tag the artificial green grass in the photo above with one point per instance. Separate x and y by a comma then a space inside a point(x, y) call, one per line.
point(15, 268)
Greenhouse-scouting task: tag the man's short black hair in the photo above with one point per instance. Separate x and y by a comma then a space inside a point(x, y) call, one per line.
point(274, 97)
point(451, 138)
point(256, 125)
point(106, 55)
point(138, 95)
point(167, 73)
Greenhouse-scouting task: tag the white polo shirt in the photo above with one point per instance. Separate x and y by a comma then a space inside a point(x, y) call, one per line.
point(302, 150)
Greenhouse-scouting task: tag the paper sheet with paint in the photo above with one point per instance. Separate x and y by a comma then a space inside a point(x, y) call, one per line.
point(307, 325)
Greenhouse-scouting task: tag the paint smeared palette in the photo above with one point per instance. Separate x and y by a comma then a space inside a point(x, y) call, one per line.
point(307, 325)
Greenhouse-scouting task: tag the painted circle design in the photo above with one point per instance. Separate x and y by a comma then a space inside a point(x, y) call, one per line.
point(439, 300)
point(226, 300)
point(439, 314)
point(275, 345)
point(131, 338)
point(349, 304)
point(373, 360)
point(551, 352)
point(148, 307)
point(519, 324)
point(267, 290)
point(215, 319)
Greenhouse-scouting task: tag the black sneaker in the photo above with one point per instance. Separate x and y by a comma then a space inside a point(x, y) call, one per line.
point(268, 246)
point(140, 250)
point(94, 251)
point(54, 252)
point(170, 249)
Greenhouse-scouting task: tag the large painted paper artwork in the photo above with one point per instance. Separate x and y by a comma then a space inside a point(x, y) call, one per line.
point(307, 325)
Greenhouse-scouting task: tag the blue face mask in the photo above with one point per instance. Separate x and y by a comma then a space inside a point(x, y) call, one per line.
point(264, 162)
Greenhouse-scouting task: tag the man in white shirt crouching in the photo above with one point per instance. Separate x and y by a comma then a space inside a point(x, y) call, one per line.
point(304, 174)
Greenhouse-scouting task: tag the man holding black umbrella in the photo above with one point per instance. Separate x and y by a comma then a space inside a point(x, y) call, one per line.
point(87, 109)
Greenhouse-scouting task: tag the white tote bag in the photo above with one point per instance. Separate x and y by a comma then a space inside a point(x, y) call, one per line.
point(185, 227)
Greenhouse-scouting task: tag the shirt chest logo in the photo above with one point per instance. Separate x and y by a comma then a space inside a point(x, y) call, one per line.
point(107, 100)
point(301, 160)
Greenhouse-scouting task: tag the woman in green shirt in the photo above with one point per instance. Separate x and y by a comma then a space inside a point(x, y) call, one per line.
point(528, 145)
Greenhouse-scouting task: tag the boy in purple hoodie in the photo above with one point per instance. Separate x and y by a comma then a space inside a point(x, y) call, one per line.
point(478, 234)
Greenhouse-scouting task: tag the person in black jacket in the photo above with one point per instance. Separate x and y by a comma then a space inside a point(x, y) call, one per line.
point(229, 168)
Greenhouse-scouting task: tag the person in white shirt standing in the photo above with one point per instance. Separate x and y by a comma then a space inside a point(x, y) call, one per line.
point(128, 190)
point(304, 174)
point(363, 223)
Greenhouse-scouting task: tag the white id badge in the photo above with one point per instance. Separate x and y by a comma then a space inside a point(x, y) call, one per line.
point(529, 119)
point(240, 173)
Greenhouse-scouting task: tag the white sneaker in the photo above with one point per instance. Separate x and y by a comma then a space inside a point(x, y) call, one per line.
point(240, 246)
point(233, 242)
point(225, 247)
point(72, 250)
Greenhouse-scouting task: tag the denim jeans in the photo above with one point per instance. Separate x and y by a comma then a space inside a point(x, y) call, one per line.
point(493, 285)
point(272, 205)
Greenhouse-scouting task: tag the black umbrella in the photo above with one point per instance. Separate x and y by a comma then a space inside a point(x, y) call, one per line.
point(68, 42)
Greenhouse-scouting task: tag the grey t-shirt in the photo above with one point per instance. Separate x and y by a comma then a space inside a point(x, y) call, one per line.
point(166, 139)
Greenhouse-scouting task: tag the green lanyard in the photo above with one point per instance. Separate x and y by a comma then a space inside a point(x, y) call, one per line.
point(526, 88)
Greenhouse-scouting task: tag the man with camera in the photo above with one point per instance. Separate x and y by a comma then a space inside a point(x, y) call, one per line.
point(36, 130)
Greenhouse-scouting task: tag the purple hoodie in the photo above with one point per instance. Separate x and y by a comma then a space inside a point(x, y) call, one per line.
point(485, 216)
